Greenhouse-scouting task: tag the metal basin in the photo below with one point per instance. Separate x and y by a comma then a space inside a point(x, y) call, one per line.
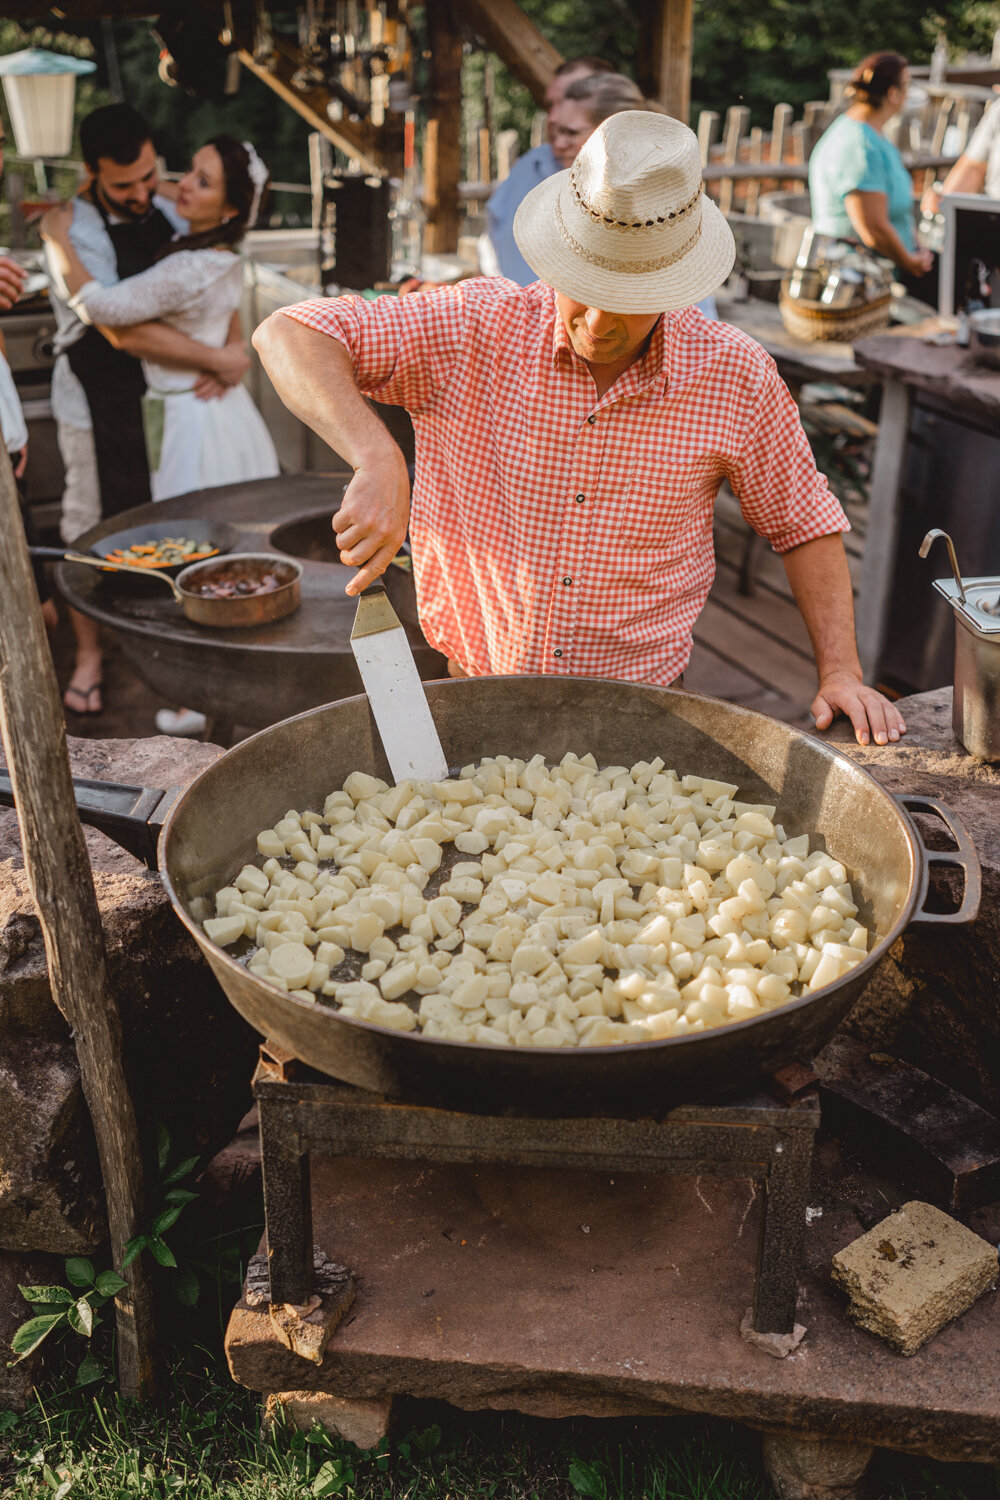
point(212, 832)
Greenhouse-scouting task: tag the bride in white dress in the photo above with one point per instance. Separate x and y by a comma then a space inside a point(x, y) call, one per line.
point(194, 286)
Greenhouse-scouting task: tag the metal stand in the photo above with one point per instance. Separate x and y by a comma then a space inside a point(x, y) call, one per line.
point(302, 1111)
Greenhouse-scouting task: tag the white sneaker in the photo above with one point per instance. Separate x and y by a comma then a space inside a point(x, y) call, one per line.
point(183, 721)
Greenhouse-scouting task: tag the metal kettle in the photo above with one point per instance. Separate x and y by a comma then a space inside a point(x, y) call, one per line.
point(975, 602)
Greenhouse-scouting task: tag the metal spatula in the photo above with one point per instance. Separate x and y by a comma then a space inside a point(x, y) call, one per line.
point(394, 690)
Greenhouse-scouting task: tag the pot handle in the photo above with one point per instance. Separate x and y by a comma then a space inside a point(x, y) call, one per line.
point(131, 816)
point(964, 855)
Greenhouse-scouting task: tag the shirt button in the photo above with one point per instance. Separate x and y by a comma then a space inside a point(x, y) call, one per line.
point(557, 651)
point(580, 499)
point(568, 583)
point(591, 420)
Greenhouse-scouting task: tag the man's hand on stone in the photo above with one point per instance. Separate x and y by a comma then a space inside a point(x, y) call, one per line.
point(872, 715)
point(371, 522)
point(12, 277)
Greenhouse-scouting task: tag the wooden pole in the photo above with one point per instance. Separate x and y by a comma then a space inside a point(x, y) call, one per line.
point(442, 139)
point(664, 69)
point(59, 875)
point(517, 42)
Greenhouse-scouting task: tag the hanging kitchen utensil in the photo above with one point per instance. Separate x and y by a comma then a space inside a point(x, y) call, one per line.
point(975, 603)
point(395, 692)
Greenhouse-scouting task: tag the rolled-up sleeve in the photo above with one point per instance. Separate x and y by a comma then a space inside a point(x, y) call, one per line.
point(403, 349)
point(782, 494)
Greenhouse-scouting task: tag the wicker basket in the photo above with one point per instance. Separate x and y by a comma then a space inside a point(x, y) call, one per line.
point(814, 320)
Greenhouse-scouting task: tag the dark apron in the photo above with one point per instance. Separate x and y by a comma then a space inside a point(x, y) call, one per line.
point(113, 381)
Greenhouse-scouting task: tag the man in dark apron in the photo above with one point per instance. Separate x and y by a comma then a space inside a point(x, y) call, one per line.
point(119, 229)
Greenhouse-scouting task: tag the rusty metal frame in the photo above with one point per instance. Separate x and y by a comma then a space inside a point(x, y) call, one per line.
point(302, 1111)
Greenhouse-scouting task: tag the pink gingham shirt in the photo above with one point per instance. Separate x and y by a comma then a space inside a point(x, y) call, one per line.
point(553, 532)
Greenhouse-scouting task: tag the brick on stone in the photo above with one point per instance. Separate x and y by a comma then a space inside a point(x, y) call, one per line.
point(913, 1273)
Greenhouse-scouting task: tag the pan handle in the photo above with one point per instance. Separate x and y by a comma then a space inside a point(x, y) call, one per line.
point(130, 815)
point(964, 855)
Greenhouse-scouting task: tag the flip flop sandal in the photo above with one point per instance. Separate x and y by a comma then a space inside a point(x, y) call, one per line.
point(84, 695)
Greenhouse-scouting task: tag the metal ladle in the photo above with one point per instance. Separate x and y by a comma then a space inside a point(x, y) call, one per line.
point(925, 547)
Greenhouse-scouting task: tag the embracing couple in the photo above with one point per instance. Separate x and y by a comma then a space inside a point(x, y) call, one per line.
point(141, 271)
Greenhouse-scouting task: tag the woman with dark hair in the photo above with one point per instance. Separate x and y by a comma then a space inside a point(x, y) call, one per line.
point(859, 186)
point(194, 286)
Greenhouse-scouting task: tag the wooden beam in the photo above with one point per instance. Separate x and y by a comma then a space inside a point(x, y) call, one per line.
point(358, 141)
point(443, 136)
point(664, 63)
point(507, 31)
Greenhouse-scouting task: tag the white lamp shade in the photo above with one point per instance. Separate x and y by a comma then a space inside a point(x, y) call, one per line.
point(39, 88)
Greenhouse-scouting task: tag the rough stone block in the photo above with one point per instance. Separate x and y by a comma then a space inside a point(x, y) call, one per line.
point(363, 1423)
point(50, 1181)
point(912, 1273)
point(807, 1468)
point(188, 1053)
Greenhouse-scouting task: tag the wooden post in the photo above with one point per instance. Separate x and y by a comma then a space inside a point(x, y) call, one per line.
point(58, 871)
point(781, 122)
point(737, 120)
point(442, 141)
point(753, 183)
point(664, 64)
point(708, 129)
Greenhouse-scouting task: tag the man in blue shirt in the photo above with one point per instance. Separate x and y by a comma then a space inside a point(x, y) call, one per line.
point(526, 173)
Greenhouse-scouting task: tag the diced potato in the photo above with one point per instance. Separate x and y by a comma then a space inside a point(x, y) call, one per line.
point(292, 962)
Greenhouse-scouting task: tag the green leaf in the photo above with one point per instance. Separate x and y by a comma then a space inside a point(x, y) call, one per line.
point(182, 1169)
point(187, 1288)
point(89, 1370)
point(8, 1419)
point(162, 1147)
point(429, 1441)
point(30, 1334)
point(62, 1490)
point(587, 1480)
point(50, 1294)
point(134, 1248)
point(109, 1283)
point(166, 1220)
point(80, 1318)
point(329, 1480)
point(80, 1271)
point(180, 1195)
point(161, 1251)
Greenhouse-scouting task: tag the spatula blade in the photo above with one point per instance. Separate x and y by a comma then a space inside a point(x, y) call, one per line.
point(395, 692)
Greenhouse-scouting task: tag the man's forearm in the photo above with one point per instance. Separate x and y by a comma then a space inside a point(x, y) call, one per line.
point(164, 346)
point(821, 583)
point(314, 377)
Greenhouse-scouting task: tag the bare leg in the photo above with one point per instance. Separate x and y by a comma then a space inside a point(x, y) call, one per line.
point(83, 695)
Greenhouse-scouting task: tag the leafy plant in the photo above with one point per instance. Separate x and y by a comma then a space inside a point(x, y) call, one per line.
point(73, 1307)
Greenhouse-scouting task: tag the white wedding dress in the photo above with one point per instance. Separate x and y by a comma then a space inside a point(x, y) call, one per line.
point(204, 443)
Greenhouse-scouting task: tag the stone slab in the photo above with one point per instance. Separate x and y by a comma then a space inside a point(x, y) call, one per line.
point(935, 1000)
point(568, 1293)
point(912, 1273)
point(189, 1054)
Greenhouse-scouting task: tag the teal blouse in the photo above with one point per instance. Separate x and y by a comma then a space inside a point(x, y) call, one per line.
point(851, 157)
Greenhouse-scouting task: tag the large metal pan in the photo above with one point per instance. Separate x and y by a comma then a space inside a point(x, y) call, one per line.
point(212, 827)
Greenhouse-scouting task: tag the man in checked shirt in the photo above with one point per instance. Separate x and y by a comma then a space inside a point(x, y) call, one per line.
point(568, 457)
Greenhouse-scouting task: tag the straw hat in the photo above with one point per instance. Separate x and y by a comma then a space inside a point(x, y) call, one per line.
point(628, 228)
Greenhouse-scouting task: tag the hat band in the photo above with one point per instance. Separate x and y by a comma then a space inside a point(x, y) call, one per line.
point(630, 268)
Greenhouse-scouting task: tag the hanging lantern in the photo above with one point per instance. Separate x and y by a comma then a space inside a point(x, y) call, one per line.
point(39, 87)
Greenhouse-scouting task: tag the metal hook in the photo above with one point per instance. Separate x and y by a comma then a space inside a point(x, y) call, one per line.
point(925, 547)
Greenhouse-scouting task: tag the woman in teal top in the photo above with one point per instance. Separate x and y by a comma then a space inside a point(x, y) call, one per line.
point(859, 187)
